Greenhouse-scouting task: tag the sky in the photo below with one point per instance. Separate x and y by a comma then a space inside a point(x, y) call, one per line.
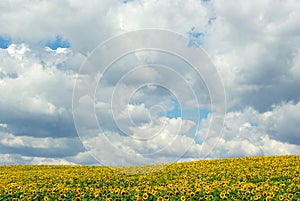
point(59, 105)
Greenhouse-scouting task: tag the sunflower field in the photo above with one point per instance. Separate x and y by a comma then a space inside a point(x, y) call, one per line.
point(249, 178)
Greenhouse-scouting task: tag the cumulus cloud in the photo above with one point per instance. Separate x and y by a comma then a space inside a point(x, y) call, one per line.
point(255, 50)
point(249, 132)
point(283, 123)
point(35, 100)
point(13, 159)
point(37, 95)
point(41, 147)
point(149, 143)
point(86, 24)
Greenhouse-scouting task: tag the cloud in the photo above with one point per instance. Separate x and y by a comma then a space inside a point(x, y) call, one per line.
point(83, 157)
point(245, 133)
point(249, 132)
point(283, 123)
point(36, 86)
point(256, 59)
point(36, 99)
point(164, 139)
point(3, 125)
point(59, 42)
point(87, 24)
point(13, 159)
point(39, 147)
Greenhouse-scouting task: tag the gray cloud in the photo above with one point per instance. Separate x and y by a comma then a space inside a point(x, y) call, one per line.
point(255, 46)
point(283, 123)
point(49, 147)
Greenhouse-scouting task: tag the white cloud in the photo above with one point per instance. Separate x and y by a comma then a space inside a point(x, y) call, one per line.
point(3, 125)
point(275, 147)
point(10, 140)
point(6, 159)
point(37, 79)
point(86, 24)
point(17, 51)
point(284, 123)
point(82, 158)
point(33, 85)
point(147, 144)
point(255, 47)
point(249, 132)
point(49, 161)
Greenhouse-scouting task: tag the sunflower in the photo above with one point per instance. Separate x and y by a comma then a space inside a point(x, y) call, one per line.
point(222, 195)
point(280, 197)
point(10, 192)
point(160, 199)
point(290, 195)
point(145, 196)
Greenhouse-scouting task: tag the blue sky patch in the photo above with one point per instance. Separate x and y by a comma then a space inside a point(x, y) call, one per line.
point(254, 124)
point(211, 20)
point(176, 112)
point(191, 114)
point(4, 42)
point(126, 1)
point(195, 37)
point(59, 42)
